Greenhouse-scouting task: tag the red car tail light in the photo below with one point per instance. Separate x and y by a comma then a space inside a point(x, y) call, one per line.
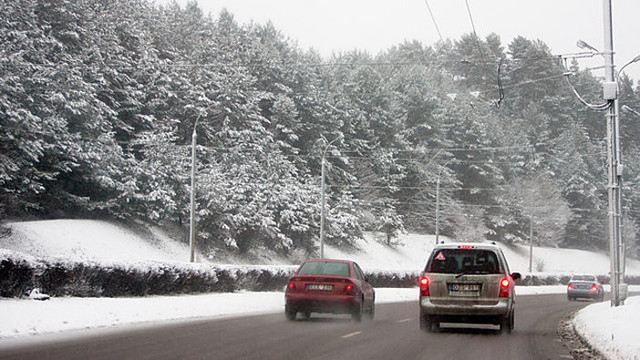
point(424, 286)
point(570, 286)
point(504, 287)
point(349, 289)
point(594, 287)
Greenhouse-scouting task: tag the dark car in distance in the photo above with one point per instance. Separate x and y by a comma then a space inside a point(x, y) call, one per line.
point(585, 286)
point(329, 286)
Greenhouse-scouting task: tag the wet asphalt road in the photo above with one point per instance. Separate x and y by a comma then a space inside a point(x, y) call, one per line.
point(393, 334)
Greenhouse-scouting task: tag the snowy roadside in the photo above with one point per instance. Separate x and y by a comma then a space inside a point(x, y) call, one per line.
point(613, 331)
point(29, 317)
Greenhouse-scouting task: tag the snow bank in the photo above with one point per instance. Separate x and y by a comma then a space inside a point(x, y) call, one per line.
point(613, 331)
point(90, 240)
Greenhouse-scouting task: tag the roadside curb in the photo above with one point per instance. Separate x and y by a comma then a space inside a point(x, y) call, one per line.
point(577, 346)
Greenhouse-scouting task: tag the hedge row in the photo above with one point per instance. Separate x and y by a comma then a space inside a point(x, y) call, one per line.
point(19, 275)
point(60, 278)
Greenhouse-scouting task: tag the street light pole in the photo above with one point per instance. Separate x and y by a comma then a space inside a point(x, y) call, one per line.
point(530, 240)
point(322, 211)
point(192, 221)
point(438, 201)
point(531, 226)
point(610, 93)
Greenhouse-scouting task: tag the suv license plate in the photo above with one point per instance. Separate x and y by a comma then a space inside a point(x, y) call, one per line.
point(465, 287)
point(322, 287)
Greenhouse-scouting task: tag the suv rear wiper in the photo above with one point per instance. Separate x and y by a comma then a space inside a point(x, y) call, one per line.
point(470, 273)
point(463, 273)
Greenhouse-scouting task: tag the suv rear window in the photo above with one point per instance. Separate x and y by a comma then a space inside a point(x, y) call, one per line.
point(457, 261)
point(324, 268)
point(583, 278)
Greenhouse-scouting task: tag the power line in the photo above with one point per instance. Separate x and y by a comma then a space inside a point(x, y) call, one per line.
point(433, 19)
point(603, 106)
point(473, 26)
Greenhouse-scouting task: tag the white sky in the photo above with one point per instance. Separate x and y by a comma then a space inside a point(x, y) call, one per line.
point(374, 25)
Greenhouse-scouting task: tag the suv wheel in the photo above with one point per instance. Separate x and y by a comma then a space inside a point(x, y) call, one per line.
point(508, 323)
point(429, 324)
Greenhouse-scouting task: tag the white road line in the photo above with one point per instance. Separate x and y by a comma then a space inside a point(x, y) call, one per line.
point(351, 334)
point(403, 320)
point(566, 356)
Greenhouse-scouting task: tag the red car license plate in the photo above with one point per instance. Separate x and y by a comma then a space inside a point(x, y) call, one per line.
point(465, 287)
point(321, 287)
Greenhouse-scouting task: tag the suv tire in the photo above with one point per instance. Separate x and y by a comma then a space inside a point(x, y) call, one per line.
point(508, 323)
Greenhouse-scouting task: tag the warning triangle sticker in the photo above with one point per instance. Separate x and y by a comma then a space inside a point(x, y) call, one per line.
point(440, 256)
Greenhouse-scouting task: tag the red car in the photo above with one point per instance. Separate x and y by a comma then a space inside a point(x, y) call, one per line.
point(329, 286)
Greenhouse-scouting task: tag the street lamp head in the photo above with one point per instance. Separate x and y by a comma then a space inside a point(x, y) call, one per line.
point(583, 45)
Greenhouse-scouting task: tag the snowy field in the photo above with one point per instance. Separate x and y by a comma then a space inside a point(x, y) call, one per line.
point(613, 331)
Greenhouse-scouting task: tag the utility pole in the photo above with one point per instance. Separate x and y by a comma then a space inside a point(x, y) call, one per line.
point(610, 92)
point(438, 201)
point(530, 240)
point(322, 211)
point(323, 201)
point(192, 222)
point(535, 182)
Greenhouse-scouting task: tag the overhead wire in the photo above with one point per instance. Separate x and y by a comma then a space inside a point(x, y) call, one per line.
point(473, 26)
point(603, 106)
point(433, 19)
point(477, 42)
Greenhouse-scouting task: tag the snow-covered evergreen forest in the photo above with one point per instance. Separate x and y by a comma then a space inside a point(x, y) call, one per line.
point(99, 100)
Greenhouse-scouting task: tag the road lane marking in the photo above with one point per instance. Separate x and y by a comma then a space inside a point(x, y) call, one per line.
point(351, 334)
point(566, 356)
point(404, 320)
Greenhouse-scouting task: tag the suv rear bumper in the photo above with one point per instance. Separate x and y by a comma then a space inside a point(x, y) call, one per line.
point(501, 308)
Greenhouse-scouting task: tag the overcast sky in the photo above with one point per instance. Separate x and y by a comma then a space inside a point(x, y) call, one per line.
point(375, 25)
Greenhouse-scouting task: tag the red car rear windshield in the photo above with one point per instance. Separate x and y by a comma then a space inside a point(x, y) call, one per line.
point(456, 261)
point(324, 268)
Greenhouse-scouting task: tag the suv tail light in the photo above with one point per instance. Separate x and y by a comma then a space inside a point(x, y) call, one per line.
point(570, 286)
point(504, 287)
point(424, 286)
point(594, 287)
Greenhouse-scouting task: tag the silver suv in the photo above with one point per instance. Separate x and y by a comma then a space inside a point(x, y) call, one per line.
point(467, 283)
